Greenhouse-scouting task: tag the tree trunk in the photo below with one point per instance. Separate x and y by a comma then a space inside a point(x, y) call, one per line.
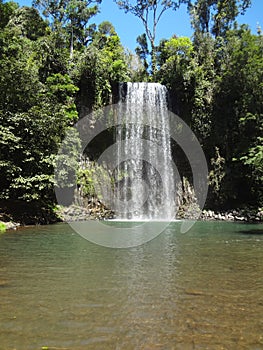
point(153, 58)
point(71, 45)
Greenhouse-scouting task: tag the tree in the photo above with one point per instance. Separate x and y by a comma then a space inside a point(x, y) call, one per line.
point(216, 16)
point(98, 68)
point(6, 10)
point(72, 16)
point(35, 111)
point(30, 141)
point(177, 70)
point(142, 51)
point(205, 77)
point(150, 13)
point(26, 21)
point(237, 124)
point(18, 73)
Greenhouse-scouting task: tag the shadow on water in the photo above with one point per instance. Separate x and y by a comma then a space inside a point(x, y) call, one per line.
point(252, 232)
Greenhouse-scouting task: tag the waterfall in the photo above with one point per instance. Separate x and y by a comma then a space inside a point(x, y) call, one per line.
point(144, 174)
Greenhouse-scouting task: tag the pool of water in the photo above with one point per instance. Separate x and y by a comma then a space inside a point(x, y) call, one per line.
point(198, 290)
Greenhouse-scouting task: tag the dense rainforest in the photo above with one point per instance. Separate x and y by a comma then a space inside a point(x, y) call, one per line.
point(56, 66)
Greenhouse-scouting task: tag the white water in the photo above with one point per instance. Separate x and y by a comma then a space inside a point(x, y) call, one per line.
point(145, 184)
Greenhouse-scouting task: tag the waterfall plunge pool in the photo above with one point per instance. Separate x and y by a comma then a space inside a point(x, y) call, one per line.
point(202, 290)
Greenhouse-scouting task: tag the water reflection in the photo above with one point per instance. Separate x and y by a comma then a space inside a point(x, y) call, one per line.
point(200, 290)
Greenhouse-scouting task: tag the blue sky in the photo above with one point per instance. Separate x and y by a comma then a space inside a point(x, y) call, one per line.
point(129, 27)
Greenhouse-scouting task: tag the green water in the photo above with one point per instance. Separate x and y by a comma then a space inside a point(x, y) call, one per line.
point(199, 290)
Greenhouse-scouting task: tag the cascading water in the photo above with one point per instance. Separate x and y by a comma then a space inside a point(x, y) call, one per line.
point(144, 179)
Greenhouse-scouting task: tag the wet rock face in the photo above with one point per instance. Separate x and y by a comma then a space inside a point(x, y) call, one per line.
point(94, 210)
point(186, 201)
point(188, 208)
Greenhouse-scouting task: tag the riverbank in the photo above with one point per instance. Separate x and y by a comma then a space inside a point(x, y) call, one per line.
point(19, 213)
point(16, 213)
point(251, 215)
point(100, 212)
point(8, 225)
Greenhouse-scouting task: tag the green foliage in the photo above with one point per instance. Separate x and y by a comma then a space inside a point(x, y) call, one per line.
point(142, 51)
point(2, 227)
point(86, 182)
point(176, 48)
point(101, 65)
point(238, 111)
point(94, 181)
point(57, 70)
point(72, 18)
point(176, 71)
point(52, 54)
point(149, 13)
point(254, 157)
point(27, 22)
point(204, 81)
point(61, 90)
point(6, 9)
point(19, 73)
point(218, 91)
point(111, 52)
point(36, 107)
point(39, 82)
point(67, 160)
point(216, 16)
point(27, 153)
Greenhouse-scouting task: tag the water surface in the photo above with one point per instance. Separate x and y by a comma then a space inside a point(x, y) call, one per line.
point(199, 290)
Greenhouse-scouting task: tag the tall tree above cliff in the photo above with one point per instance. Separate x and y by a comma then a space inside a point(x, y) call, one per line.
point(6, 10)
point(216, 16)
point(71, 15)
point(150, 13)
